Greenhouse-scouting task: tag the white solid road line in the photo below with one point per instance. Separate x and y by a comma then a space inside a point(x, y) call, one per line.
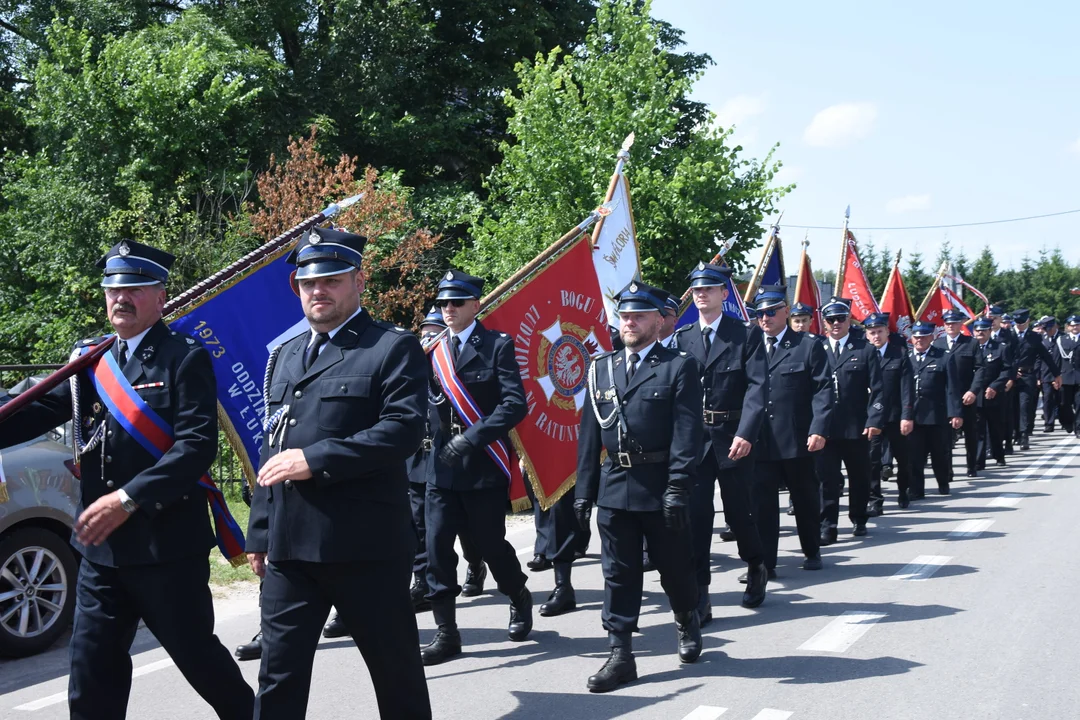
point(1061, 465)
point(770, 714)
point(972, 528)
point(705, 712)
point(62, 696)
point(842, 632)
point(922, 567)
point(1007, 500)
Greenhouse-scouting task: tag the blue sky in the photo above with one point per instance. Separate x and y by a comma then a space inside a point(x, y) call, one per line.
point(914, 113)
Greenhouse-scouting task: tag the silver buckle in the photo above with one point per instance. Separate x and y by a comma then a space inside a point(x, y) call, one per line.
point(426, 445)
point(624, 460)
point(456, 429)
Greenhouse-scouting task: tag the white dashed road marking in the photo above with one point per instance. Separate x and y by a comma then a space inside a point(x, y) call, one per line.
point(1061, 465)
point(922, 567)
point(705, 712)
point(972, 528)
point(62, 696)
point(770, 714)
point(842, 632)
point(1007, 500)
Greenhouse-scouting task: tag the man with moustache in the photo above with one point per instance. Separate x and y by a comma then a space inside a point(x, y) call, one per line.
point(993, 370)
point(898, 397)
point(856, 420)
point(476, 370)
point(796, 427)
point(735, 382)
point(330, 522)
point(644, 409)
point(1028, 350)
point(960, 352)
point(938, 406)
point(143, 526)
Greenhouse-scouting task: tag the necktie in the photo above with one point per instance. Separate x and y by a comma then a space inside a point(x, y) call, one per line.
point(922, 356)
point(121, 354)
point(313, 350)
point(771, 343)
point(836, 349)
point(706, 338)
point(952, 342)
point(455, 346)
point(631, 366)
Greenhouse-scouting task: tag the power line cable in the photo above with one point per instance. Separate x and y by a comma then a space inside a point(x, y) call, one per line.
point(935, 227)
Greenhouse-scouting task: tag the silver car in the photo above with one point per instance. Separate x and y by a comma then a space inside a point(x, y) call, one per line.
point(38, 566)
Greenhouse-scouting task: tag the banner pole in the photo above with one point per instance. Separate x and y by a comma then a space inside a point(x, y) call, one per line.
point(933, 289)
point(839, 284)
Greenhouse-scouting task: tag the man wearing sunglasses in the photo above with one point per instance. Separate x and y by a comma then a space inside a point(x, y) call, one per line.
point(476, 370)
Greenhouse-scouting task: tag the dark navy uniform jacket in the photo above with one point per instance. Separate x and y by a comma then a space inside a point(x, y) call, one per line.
point(962, 357)
point(1028, 350)
point(487, 368)
point(662, 409)
point(1066, 351)
point(358, 414)
point(897, 383)
point(937, 389)
point(857, 386)
point(172, 521)
point(800, 397)
point(424, 463)
point(735, 379)
point(993, 368)
point(1043, 368)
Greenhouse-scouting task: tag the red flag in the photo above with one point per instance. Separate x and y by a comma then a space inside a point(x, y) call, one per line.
point(897, 303)
point(557, 320)
point(935, 307)
point(953, 299)
point(855, 284)
point(808, 293)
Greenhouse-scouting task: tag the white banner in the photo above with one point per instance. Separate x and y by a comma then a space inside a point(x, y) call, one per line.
point(615, 253)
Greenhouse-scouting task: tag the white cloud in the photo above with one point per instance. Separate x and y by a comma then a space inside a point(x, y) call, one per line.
point(908, 203)
point(838, 125)
point(739, 109)
point(789, 174)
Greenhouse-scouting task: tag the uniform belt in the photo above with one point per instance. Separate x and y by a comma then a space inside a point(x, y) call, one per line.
point(715, 417)
point(1025, 371)
point(427, 445)
point(456, 429)
point(626, 460)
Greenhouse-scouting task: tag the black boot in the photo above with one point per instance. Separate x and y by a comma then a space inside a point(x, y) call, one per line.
point(704, 606)
point(474, 580)
point(335, 628)
point(1024, 444)
point(447, 641)
point(418, 591)
point(689, 629)
point(539, 563)
point(562, 598)
point(251, 650)
point(521, 620)
point(757, 577)
point(619, 669)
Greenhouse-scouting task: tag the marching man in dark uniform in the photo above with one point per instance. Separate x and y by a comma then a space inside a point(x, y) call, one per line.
point(644, 409)
point(1051, 393)
point(476, 371)
point(736, 382)
point(857, 418)
point(938, 407)
point(1029, 349)
point(1000, 331)
point(898, 397)
point(993, 370)
point(330, 522)
point(960, 352)
point(1070, 377)
point(143, 529)
point(802, 316)
point(796, 427)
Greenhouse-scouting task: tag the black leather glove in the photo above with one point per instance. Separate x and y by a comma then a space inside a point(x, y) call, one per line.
point(455, 451)
point(583, 513)
point(676, 503)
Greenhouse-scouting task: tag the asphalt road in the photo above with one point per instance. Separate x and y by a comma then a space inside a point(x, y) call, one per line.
point(961, 607)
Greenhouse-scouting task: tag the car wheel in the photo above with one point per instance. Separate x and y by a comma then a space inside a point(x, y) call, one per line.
point(37, 590)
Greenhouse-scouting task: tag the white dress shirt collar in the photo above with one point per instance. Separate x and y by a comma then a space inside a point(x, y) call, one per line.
point(133, 342)
point(333, 332)
point(464, 334)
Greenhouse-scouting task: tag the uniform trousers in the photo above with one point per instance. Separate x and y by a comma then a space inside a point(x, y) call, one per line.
point(971, 438)
point(1051, 405)
point(890, 438)
point(417, 502)
point(621, 535)
point(372, 599)
point(855, 456)
point(1027, 397)
point(174, 601)
point(991, 424)
point(1067, 412)
point(804, 489)
point(736, 485)
point(1011, 413)
point(934, 440)
point(480, 515)
point(558, 536)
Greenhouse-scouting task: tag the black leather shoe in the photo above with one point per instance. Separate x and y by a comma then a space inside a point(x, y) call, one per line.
point(521, 620)
point(943, 489)
point(445, 645)
point(704, 606)
point(335, 628)
point(1024, 443)
point(561, 600)
point(689, 629)
point(417, 592)
point(1049, 429)
point(746, 576)
point(999, 463)
point(875, 508)
point(726, 535)
point(791, 508)
point(812, 563)
point(474, 580)
point(859, 530)
point(647, 563)
point(972, 474)
point(886, 472)
point(828, 536)
point(903, 501)
point(619, 669)
point(913, 496)
point(757, 579)
point(251, 650)
point(538, 563)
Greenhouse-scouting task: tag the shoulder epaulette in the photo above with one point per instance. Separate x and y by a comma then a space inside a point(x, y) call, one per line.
point(683, 328)
point(90, 341)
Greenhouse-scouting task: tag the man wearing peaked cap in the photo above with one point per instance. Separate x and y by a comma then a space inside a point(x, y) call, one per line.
point(644, 409)
point(992, 373)
point(1001, 323)
point(476, 371)
point(143, 533)
point(801, 317)
point(938, 406)
point(1029, 349)
point(1051, 393)
point(960, 353)
point(735, 382)
point(898, 397)
point(330, 521)
point(796, 428)
point(857, 418)
point(1067, 343)
point(671, 316)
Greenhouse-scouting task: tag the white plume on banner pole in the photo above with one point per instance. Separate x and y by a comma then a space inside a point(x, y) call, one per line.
point(615, 250)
